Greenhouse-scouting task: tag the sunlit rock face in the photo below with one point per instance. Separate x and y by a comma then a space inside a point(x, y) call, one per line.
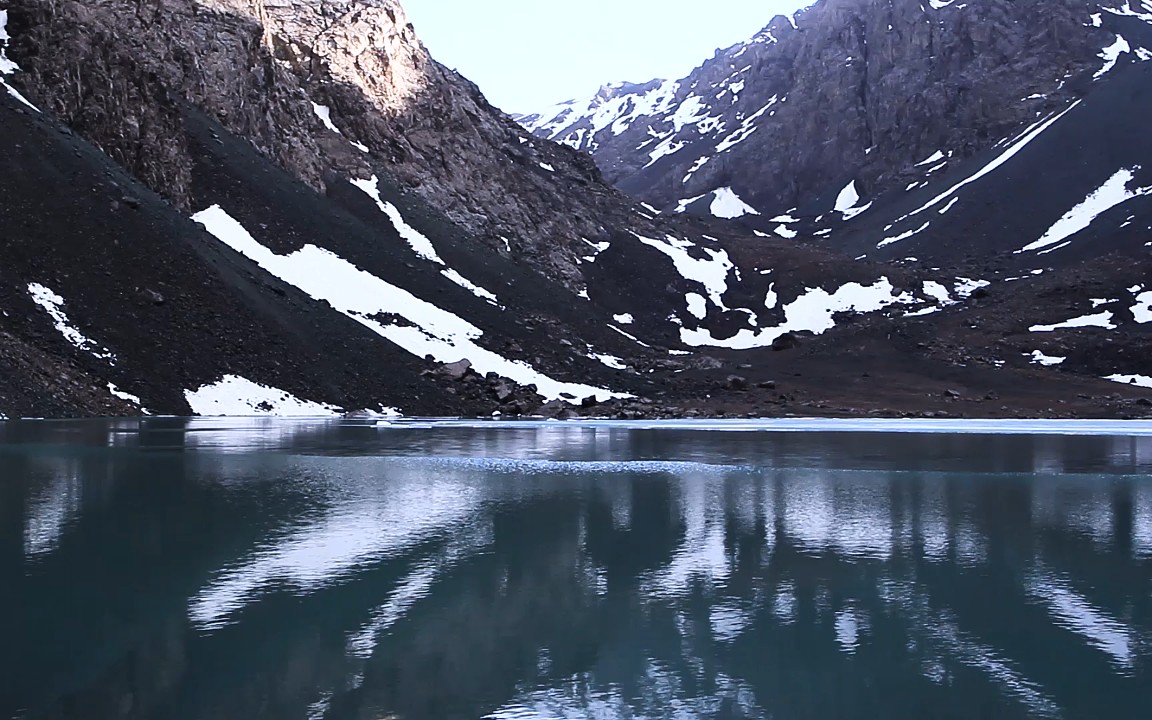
point(257, 66)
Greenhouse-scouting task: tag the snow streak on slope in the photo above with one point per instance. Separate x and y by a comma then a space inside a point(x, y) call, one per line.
point(1126, 10)
point(420, 244)
point(1014, 149)
point(235, 396)
point(325, 115)
point(7, 67)
point(53, 304)
point(1101, 320)
point(429, 330)
point(1112, 193)
point(127, 397)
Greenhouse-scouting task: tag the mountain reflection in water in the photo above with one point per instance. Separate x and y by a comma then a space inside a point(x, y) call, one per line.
point(262, 569)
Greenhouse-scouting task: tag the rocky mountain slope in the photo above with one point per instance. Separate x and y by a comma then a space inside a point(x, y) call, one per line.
point(875, 92)
point(288, 207)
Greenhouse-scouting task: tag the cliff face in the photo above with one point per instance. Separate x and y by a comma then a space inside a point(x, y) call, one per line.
point(119, 70)
point(845, 90)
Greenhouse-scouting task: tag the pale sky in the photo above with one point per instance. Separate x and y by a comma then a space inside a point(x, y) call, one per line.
point(529, 54)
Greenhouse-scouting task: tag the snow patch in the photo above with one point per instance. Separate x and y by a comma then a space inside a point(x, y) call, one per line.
point(1113, 192)
point(933, 158)
point(683, 204)
point(1017, 145)
point(631, 337)
point(1111, 55)
point(848, 202)
point(811, 312)
point(1138, 380)
point(234, 396)
point(425, 330)
point(416, 240)
point(625, 319)
point(53, 304)
point(697, 305)
point(670, 146)
point(938, 292)
point(747, 127)
point(325, 114)
point(16, 94)
point(727, 204)
point(470, 286)
point(597, 248)
point(964, 287)
point(903, 236)
point(847, 198)
point(1142, 310)
point(7, 67)
point(127, 397)
point(711, 271)
point(1039, 358)
point(1128, 11)
point(1102, 320)
point(610, 360)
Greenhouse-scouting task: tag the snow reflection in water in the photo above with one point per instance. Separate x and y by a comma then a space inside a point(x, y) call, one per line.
point(575, 571)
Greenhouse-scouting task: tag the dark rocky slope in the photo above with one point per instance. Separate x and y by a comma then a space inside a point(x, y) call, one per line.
point(149, 287)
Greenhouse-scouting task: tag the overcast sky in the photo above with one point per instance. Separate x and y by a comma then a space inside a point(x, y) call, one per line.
point(527, 54)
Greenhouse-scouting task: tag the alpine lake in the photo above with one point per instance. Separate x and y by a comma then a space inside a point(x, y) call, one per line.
point(211, 569)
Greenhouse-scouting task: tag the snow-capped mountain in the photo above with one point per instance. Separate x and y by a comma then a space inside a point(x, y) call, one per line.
point(845, 91)
point(288, 207)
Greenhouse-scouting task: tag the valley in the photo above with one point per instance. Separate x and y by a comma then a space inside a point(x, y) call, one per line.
point(234, 207)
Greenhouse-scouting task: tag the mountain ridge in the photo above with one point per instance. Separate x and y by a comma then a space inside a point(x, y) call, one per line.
point(283, 206)
point(849, 90)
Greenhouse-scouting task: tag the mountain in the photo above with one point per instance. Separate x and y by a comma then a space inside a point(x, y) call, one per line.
point(288, 207)
point(873, 92)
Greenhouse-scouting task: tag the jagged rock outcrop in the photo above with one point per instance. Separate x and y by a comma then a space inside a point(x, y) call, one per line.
point(118, 70)
point(845, 90)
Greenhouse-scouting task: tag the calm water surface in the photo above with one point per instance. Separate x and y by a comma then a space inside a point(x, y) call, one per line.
point(209, 570)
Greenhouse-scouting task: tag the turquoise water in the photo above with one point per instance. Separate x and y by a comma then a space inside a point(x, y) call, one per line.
point(271, 569)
